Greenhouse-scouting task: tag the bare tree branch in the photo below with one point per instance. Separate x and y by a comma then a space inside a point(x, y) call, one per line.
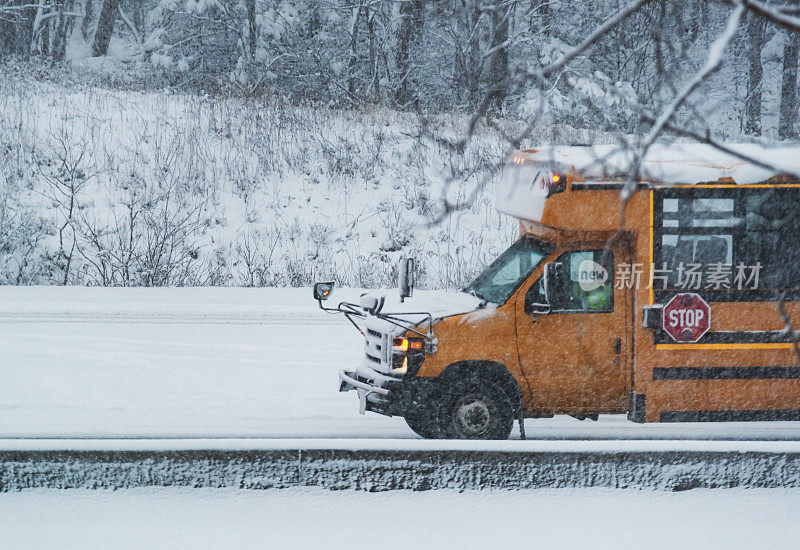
point(771, 13)
point(712, 65)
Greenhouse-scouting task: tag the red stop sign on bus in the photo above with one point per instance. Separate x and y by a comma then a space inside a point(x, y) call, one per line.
point(686, 318)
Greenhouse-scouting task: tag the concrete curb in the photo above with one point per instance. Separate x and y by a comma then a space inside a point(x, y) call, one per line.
point(383, 470)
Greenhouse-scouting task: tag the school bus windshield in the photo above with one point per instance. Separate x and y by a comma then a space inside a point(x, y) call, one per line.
point(502, 277)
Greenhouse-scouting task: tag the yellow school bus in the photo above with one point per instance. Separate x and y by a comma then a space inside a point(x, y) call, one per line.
point(667, 297)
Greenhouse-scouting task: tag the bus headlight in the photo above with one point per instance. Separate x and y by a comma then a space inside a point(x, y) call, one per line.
point(407, 355)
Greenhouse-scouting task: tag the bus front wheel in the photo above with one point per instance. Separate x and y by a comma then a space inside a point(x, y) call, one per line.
point(472, 408)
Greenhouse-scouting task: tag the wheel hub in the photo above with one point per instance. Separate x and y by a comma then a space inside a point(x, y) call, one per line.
point(473, 416)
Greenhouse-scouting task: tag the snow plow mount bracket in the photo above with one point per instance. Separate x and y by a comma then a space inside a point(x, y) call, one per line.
point(350, 309)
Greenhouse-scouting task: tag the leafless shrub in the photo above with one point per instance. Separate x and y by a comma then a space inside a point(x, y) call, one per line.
point(254, 257)
point(23, 259)
point(239, 181)
point(398, 230)
point(67, 168)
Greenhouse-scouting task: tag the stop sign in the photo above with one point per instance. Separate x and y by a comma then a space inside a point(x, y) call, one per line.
point(686, 318)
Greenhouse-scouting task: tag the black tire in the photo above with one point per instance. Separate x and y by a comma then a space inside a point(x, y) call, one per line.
point(472, 408)
point(423, 420)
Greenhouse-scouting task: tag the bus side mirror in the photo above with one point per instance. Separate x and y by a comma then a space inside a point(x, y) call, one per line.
point(549, 271)
point(406, 278)
point(322, 291)
point(536, 299)
point(553, 283)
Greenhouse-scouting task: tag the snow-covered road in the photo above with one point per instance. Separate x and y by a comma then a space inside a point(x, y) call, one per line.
point(217, 363)
point(314, 518)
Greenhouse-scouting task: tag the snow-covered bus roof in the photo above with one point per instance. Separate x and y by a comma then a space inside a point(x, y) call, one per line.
point(525, 184)
point(680, 163)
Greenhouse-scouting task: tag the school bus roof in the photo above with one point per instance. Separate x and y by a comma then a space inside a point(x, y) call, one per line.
point(529, 189)
point(679, 163)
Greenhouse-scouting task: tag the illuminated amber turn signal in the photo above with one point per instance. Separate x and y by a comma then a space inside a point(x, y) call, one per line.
point(404, 344)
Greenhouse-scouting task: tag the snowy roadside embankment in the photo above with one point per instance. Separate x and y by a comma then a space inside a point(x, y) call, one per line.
point(121, 188)
point(572, 465)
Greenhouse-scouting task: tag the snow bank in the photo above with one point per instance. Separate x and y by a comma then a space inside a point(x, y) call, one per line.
point(376, 470)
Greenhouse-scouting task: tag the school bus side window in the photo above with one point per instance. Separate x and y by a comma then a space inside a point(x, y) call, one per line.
point(697, 231)
point(772, 230)
point(754, 229)
point(583, 284)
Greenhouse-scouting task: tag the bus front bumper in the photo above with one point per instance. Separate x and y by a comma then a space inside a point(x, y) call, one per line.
point(384, 394)
point(376, 391)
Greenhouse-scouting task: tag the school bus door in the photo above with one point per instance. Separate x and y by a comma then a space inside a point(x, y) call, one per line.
point(576, 357)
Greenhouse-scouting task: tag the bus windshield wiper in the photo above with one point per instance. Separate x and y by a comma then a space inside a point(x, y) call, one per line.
point(483, 299)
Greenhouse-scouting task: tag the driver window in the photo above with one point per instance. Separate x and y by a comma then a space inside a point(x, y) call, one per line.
point(583, 283)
